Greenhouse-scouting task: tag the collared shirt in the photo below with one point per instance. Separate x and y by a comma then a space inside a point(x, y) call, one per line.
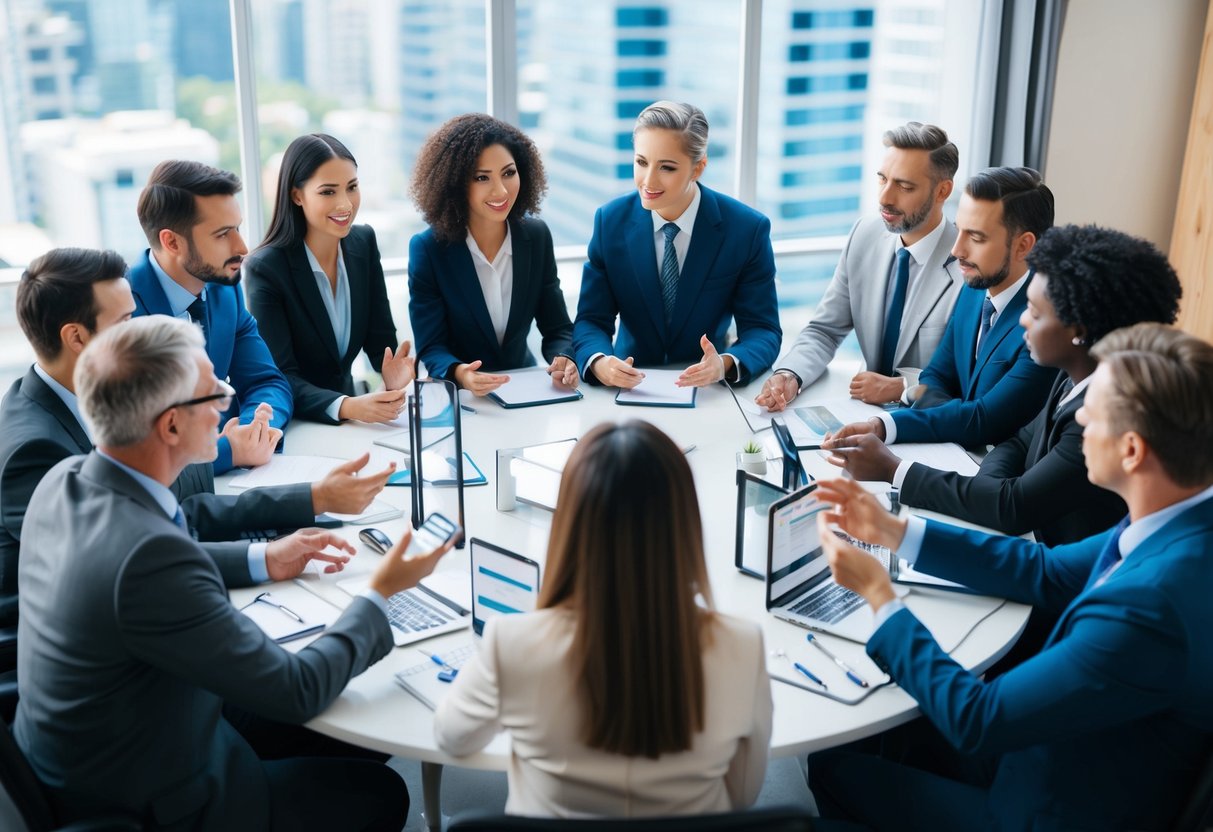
point(496, 280)
point(336, 302)
point(67, 397)
point(682, 240)
point(179, 298)
point(163, 497)
point(1135, 534)
point(919, 253)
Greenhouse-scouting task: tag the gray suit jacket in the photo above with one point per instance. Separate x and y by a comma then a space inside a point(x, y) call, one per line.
point(128, 647)
point(855, 299)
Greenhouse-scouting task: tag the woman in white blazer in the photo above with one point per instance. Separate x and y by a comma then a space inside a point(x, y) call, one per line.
point(626, 693)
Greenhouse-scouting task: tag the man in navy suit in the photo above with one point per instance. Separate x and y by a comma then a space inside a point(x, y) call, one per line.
point(191, 218)
point(676, 263)
point(1107, 726)
point(982, 384)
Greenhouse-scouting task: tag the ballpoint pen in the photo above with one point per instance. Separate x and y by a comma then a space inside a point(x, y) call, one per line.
point(449, 671)
point(285, 610)
point(846, 668)
point(809, 675)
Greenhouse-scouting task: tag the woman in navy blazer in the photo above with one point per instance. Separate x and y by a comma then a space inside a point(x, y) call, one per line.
point(484, 269)
point(315, 286)
point(721, 268)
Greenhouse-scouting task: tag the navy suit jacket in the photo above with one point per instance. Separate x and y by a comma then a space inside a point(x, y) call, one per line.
point(978, 400)
point(234, 346)
point(1035, 481)
point(1108, 725)
point(38, 431)
point(285, 300)
point(729, 274)
point(451, 321)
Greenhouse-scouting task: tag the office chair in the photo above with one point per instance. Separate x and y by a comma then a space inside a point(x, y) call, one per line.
point(23, 797)
point(1197, 812)
point(774, 819)
point(8, 673)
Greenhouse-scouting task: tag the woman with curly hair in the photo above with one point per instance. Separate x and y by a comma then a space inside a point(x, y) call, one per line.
point(485, 268)
point(1088, 281)
point(316, 288)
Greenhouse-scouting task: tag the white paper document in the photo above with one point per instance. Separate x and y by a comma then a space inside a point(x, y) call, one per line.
point(532, 386)
point(658, 389)
point(285, 469)
point(287, 612)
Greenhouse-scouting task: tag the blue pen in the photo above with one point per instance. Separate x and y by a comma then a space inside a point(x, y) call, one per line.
point(449, 672)
point(809, 674)
point(846, 668)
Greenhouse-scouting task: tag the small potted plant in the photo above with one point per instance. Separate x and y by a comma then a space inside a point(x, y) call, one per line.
point(752, 458)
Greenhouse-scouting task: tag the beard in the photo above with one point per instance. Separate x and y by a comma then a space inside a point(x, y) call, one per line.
point(984, 280)
point(204, 271)
point(910, 221)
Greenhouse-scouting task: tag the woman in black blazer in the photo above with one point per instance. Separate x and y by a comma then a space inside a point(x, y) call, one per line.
point(484, 269)
point(1088, 281)
point(315, 286)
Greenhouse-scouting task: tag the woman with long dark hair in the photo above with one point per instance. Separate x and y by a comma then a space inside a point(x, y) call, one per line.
point(316, 288)
point(626, 693)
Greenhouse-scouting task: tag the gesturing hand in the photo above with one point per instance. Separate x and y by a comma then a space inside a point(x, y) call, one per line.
point(564, 371)
point(397, 573)
point(777, 392)
point(481, 384)
point(399, 368)
point(615, 373)
point(286, 557)
point(709, 370)
point(342, 491)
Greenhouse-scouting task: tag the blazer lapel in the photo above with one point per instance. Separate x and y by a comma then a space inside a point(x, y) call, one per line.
point(1008, 322)
point(522, 286)
point(869, 286)
point(932, 284)
point(461, 271)
point(40, 392)
point(706, 240)
point(639, 239)
point(304, 281)
point(358, 271)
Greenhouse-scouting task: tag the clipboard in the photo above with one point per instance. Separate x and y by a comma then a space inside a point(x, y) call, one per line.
point(532, 387)
point(653, 391)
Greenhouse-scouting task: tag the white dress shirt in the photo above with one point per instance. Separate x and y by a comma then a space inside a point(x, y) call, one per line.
point(496, 281)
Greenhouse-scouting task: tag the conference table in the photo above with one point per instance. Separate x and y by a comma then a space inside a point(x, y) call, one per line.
point(375, 712)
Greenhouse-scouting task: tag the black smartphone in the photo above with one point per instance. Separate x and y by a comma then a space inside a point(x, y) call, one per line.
point(435, 531)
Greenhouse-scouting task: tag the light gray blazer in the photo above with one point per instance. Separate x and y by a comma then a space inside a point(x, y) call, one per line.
point(128, 648)
point(855, 299)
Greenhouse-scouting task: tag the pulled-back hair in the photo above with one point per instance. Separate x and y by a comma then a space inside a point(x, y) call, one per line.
point(687, 120)
point(167, 200)
point(303, 156)
point(1027, 203)
point(447, 160)
point(133, 372)
point(57, 289)
point(626, 557)
point(1162, 388)
point(914, 135)
point(1101, 280)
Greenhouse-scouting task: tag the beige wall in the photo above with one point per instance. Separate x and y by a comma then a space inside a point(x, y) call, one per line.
point(1125, 80)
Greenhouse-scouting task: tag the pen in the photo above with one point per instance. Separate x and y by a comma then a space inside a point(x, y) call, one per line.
point(688, 449)
point(809, 675)
point(265, 599)
point(851, 674)
point(438, 660)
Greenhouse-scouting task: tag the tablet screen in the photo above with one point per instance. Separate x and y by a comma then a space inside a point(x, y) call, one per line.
point(503, 583)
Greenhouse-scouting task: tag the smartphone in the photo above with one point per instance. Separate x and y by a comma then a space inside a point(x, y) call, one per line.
point(435, 531)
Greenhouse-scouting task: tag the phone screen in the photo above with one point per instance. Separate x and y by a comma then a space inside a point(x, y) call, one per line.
point(435, 531)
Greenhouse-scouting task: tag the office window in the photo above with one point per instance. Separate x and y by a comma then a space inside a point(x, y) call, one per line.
point(378, 76)
point(588, 64)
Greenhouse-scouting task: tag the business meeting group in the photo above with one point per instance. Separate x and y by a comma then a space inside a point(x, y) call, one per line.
point(144, 694)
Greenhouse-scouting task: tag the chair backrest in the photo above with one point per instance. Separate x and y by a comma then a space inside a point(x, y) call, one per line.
point(772, 819)
point(22, 785)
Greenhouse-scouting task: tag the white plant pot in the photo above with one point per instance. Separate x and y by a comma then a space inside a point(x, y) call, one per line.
point(755, 463)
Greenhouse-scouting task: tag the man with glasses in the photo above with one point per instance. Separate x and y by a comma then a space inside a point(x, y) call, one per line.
point(66, 298)
point(191, 218)
point(129, 646)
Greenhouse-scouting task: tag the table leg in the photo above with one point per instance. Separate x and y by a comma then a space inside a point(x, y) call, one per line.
point(431, 795)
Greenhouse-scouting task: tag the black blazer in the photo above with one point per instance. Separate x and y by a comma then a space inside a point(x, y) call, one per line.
point(1036, 480)
point(285, 300)
point(451, 321)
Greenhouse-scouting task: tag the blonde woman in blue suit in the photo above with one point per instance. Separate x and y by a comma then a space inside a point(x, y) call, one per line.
point(676, 263)
point(485, 268)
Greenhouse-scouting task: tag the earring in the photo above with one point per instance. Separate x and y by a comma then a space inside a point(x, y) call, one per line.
point(1078, 341)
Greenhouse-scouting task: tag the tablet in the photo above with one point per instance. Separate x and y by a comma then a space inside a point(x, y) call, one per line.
point(503, 583)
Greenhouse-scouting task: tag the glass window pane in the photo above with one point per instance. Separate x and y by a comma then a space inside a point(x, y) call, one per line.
point(378, 76)
point(587, 69)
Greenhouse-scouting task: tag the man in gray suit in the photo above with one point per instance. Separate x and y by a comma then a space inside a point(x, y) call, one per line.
point(65, 298)
point(896, 281)
point(128, 645)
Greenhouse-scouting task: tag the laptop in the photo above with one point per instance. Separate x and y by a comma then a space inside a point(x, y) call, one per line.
point(799, 585)
point(503, 583)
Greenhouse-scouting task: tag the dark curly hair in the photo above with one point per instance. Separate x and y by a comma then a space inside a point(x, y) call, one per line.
point(1101, 280)
point(448, 158)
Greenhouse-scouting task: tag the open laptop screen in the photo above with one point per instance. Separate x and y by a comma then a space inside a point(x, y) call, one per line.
point(795, 560)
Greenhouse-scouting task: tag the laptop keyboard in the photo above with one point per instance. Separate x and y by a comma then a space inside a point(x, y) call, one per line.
point(829, 605)
point(408, 613)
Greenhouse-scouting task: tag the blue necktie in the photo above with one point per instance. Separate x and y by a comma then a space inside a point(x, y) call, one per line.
point(892, 326)
point(987, 312)
point(669, 269)
point(179, 519)
point(1109, 555)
